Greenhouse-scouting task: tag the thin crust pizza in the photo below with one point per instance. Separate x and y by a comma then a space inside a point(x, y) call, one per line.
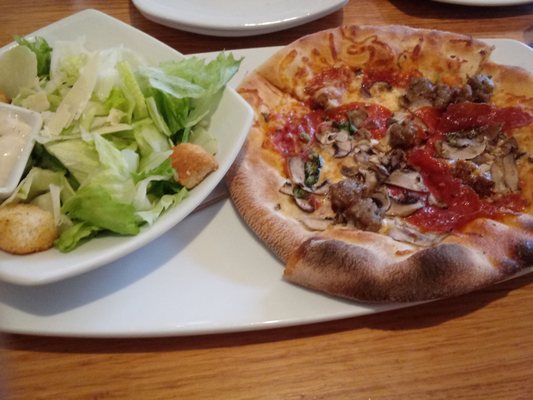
point(389, 164)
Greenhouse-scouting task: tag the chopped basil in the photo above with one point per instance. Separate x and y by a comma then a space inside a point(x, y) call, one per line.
point(305, 136)
point(312, 169)
point(298, 192)
point(348, 126)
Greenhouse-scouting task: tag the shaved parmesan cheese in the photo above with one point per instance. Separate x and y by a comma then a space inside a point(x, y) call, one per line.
point(19, 70)
point(73, 104)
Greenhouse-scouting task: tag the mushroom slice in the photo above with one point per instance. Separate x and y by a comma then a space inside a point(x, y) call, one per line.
point(342, 148)
point(328, 96)
point(469, 149)
point(403, 210)
point(316, 224)
point(411, 180)
point(370, 179)
point(382, 200)
point(364, 145)
point(342, 136)
point(322, 188)
point(403, 232)
point(395, 159)
point(360, 157)
point(510, 173)
point(496, 171)
point(304, 205)
point(319, 189)
point(381, 172)
point(297, 170)
point(325, 133)
point(287, 188)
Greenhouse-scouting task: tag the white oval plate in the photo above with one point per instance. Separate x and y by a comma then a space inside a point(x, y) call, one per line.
point(230, 124)
point(208, 274)
point(235, 17)
point(486, 3)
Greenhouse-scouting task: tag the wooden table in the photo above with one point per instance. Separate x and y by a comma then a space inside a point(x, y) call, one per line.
point(478, 346)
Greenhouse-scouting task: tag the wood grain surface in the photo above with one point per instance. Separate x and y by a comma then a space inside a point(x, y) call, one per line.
point(478, 346)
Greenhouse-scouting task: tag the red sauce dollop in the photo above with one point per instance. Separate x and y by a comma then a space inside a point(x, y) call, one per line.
point(463, 203)
point(471, 115)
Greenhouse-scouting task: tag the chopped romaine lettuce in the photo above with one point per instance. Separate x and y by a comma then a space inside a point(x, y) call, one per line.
point(75, 235)
point(93, 204)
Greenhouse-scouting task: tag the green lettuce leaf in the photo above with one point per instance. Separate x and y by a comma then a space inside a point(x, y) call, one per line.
point(132, 89)
point(95, 206)
point(77, 156)
point(73, 236)
point(187, 90)
point(37, 182)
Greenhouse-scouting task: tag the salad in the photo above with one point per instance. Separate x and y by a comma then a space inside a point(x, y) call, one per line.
point(103, 160)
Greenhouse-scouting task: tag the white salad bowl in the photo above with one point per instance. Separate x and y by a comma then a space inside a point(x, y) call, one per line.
point(229, 123)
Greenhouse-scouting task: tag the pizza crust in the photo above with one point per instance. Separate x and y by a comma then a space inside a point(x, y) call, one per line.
point(347, 270)
point(487, 252)
point(368, 266)
point(257, 201)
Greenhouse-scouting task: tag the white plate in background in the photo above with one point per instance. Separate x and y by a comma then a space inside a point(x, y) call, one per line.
point(235, 17)
point(230, 124)
point(209, 274)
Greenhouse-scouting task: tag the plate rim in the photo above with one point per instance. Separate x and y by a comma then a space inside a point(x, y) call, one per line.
point(23, 321)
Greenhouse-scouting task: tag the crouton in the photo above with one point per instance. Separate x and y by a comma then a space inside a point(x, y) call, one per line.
point(25, 229)
point(192, 164)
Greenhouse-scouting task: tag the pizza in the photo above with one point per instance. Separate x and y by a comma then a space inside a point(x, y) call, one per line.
point(389, 164)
